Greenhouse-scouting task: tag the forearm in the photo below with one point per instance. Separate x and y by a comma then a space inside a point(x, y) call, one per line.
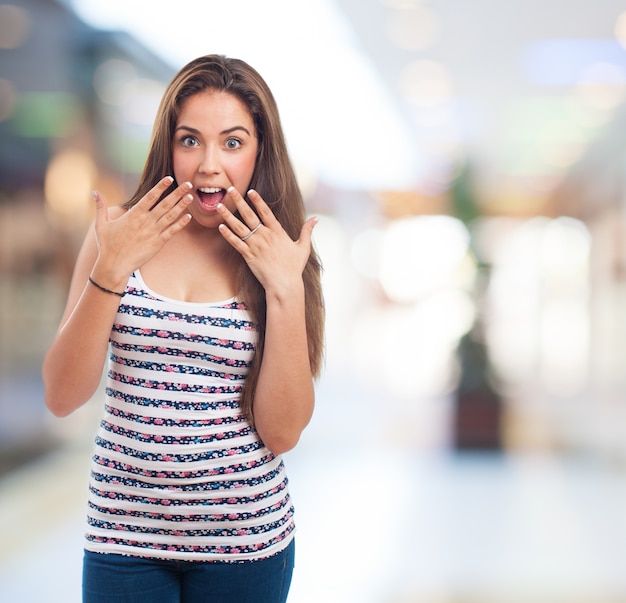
point(284, 397)
point(72, 368)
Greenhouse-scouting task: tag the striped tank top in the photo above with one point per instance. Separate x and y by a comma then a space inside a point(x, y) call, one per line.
point(178, 472)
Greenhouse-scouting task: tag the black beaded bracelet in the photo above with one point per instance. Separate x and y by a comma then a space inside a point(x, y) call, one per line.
point(104, 288)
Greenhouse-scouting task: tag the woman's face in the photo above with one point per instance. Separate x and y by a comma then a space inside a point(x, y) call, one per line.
point(215, 146)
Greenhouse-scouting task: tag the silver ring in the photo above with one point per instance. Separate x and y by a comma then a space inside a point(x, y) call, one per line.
point(252, 231)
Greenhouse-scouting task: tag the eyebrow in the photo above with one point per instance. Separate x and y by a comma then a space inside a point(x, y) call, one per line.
point(223, 132)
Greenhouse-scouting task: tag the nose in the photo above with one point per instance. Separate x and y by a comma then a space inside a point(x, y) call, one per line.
point(209, 163)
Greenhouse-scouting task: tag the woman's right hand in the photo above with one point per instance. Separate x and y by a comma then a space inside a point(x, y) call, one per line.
point(120, 243)
point(127, 242)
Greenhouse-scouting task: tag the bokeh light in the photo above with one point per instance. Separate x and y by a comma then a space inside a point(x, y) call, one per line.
point(422, 254)
point(70, 178)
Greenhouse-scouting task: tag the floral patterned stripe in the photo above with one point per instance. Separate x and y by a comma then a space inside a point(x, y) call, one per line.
point(205, 502)
point(176, 405)
point(177, 439)
point(215, 532)
point(178, 353)
point(173, 367)
point(164, 334)
point(217, 550)
point(195, 517)
point(173, 476)
point(172, 386)
point(171, 457)
point(179, 423)
point(188, 319)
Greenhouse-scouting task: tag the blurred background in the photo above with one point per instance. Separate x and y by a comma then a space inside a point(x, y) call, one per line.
point(467, 161)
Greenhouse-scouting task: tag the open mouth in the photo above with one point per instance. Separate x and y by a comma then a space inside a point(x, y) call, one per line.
point(210, 197)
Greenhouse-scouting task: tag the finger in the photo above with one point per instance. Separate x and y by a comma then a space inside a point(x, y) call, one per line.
point(178, 195)
point(248, 216)
point(177, 226)
point(174, 213)
point(265, 213)
point(306, 232)
point(239, 226)
point(232, 238)
point(151, 198)
point(102, 212)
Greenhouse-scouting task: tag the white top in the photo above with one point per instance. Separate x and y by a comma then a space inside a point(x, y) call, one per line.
point(178, 472)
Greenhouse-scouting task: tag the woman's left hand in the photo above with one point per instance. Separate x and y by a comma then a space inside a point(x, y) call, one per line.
point(274, 258)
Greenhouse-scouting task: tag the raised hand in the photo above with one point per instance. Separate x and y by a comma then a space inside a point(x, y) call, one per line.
point(274, 258)
point(126, 242)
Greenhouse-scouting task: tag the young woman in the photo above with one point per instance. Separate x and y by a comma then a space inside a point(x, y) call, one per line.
point(209, 308)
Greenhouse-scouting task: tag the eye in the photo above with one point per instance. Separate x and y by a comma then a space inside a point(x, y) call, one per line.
point(233, 143)
point(189, 141)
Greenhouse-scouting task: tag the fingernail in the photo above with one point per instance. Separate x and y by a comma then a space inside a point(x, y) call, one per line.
point(230, 188)
point(94, 194)
point(169, 179)
point(252, 191)
point(188, 185)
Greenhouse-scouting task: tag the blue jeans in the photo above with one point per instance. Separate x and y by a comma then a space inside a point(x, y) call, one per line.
point(109, 578)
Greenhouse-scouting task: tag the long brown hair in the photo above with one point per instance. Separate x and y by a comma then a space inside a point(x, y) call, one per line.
point(273, 178)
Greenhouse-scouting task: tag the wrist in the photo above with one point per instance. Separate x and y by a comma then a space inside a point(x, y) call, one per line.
point(104, 289)
point(110, 279)
point(288, 291)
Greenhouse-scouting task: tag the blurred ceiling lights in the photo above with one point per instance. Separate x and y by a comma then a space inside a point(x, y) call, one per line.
point(403, 91)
